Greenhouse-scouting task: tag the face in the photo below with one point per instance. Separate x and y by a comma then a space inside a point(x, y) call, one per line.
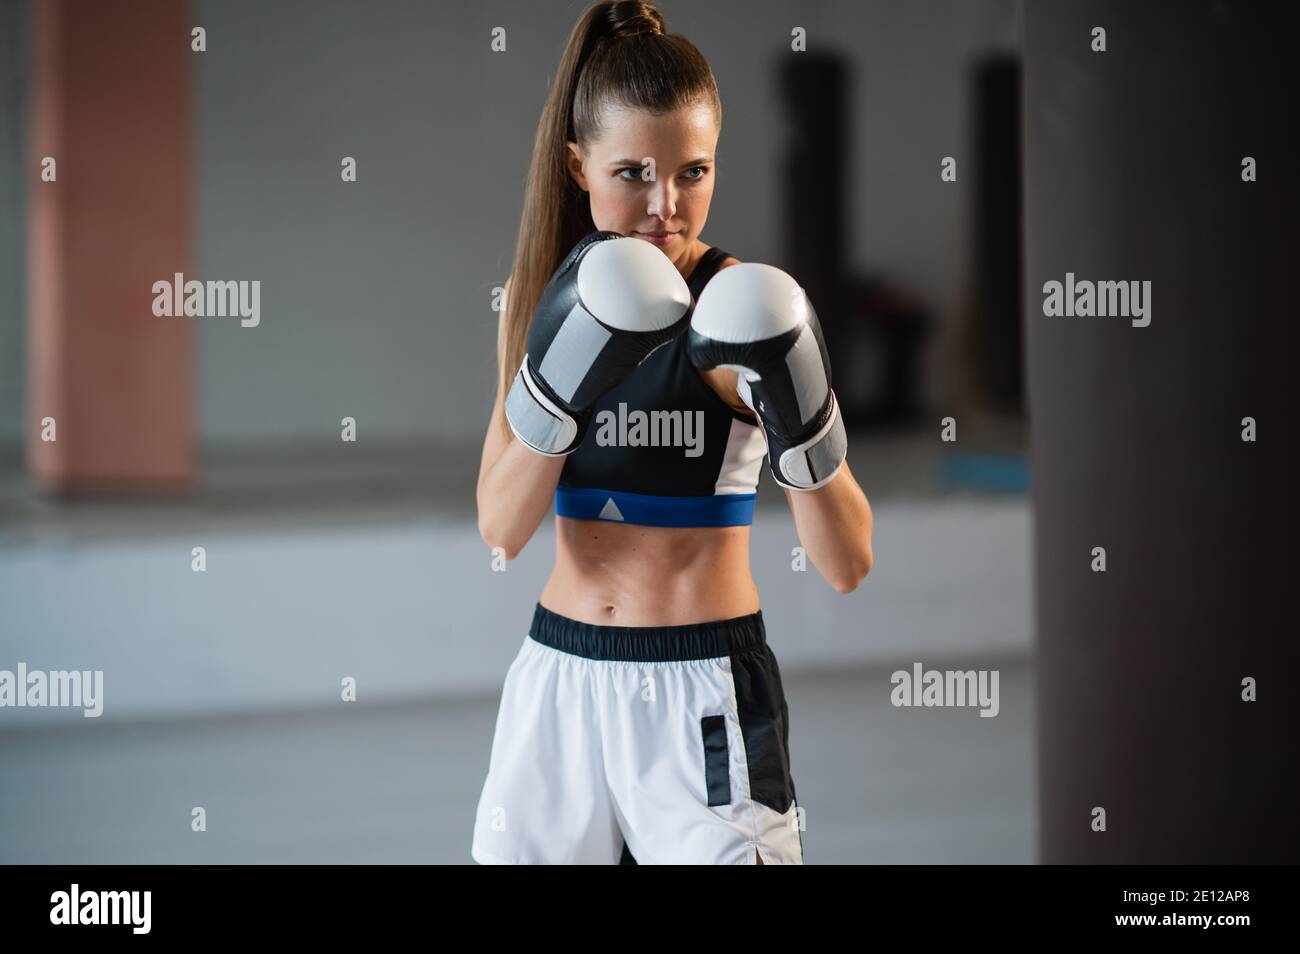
point(665, 203)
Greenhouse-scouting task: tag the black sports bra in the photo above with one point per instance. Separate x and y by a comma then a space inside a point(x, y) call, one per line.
point(663, 449)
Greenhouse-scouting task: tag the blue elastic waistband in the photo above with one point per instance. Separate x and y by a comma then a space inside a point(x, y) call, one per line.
point(653, 510)
point(722, 637)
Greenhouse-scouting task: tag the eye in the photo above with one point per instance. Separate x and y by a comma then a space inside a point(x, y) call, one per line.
point(702, 170)
point(634, 177)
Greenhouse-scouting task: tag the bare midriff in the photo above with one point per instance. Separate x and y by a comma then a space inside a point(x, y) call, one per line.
point(616, 574)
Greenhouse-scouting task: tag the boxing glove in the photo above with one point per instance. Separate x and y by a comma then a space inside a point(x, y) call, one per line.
point(611, 302)
point(756, 320)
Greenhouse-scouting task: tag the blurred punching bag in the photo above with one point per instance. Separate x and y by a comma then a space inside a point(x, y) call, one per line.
point(1160, 540)
point(997, 223)
point(815, 195)
point(874, 332)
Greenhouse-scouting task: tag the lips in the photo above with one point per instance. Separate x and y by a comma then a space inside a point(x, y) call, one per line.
point(655, 238)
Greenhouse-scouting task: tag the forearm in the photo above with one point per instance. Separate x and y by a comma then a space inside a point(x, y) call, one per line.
point(515, 495)
point(834, 524)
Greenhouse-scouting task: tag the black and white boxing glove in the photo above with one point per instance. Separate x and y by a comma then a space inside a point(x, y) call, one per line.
point(756, 320)
point(611, 302)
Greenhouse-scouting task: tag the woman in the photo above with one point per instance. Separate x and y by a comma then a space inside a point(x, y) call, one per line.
point(645, 712)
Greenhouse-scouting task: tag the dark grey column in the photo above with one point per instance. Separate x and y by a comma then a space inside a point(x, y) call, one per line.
point(1133, 172)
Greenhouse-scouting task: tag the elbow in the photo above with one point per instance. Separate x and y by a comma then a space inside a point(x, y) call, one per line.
point(501, 544)
point(852, 574)
point(846, 584)
point(502, 548)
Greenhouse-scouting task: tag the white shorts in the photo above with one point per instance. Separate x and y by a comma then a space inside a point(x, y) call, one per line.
point(669, 744)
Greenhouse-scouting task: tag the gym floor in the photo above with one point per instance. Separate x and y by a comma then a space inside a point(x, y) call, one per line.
point(397, 779)
point(399, 784)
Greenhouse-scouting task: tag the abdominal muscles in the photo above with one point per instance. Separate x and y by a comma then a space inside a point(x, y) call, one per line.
point(626, 575)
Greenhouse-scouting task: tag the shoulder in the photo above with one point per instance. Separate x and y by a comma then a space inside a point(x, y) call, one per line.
point(728, 262)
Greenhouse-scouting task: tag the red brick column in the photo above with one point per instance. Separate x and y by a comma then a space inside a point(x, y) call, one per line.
point(111, 105)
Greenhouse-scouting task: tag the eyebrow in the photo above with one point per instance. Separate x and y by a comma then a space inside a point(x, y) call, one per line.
point(703, 160)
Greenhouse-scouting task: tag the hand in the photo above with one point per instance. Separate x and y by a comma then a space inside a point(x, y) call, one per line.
point(610, 303)
point(756, 320)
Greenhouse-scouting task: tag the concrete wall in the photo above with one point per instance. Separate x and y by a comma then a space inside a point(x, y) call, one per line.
point(15, 21)
point(415, 609)
point(375, 295)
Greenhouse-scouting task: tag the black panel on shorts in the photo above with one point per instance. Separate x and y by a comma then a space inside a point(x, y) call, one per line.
point(765, 725)
point(717, 772)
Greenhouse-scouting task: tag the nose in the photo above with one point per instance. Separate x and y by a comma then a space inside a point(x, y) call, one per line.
point(662, 202)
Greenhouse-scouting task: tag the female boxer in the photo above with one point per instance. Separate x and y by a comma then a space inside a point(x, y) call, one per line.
point(644, 377)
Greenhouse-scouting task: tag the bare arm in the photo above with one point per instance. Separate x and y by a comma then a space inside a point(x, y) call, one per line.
point(834, 524)
point(515, 484)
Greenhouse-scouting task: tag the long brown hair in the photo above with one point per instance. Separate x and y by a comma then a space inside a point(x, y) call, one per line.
point(618, 53)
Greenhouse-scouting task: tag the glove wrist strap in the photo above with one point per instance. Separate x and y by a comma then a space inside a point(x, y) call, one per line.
point(538, 420)
point(812, 463)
